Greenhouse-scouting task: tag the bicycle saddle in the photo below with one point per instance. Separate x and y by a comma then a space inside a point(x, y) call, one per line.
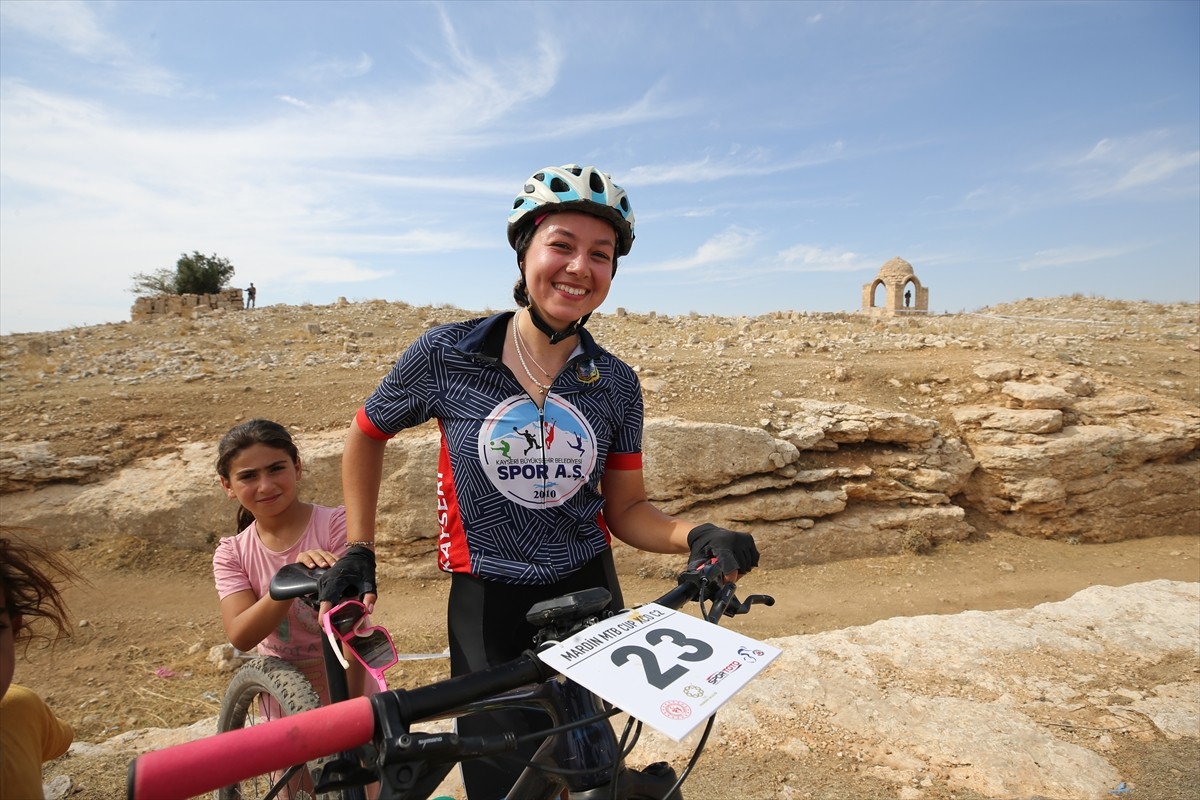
point(295, 580)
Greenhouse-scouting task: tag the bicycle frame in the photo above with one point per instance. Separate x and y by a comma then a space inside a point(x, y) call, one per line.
point(580, 758)
point(410, 766)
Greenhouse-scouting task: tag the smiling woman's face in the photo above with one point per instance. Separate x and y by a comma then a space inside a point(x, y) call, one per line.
point(568, 266)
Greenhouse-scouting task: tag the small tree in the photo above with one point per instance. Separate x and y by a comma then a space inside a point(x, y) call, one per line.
point(151, 283)
point(193, 274)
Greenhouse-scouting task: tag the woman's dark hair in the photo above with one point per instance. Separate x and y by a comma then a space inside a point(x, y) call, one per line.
point(523, 240)
point(27, 576)
point(239, 437)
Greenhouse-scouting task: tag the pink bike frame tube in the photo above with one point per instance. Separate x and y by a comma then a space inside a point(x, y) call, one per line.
point(195, 768)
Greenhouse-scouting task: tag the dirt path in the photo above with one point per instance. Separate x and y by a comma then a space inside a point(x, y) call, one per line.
point(147, 620)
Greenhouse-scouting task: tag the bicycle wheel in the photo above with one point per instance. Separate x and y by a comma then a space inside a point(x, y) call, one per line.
point(265, 688)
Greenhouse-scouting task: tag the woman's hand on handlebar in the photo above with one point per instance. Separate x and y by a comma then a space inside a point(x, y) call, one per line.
point(352, 575)
point(735, 552)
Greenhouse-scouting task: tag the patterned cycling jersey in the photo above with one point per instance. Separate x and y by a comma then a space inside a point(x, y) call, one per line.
point(518, 487)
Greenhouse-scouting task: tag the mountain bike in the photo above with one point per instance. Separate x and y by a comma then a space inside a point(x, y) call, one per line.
point(580, 751)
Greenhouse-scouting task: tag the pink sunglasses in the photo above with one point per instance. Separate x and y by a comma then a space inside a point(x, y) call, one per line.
point(372, 646)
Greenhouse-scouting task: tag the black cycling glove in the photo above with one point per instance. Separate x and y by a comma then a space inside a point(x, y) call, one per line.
point(352, 575)
point(735, 552)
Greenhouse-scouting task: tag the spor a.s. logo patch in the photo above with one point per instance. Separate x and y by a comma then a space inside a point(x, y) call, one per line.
point(535, 459)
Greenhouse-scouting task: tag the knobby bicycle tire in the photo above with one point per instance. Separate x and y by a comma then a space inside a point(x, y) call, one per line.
point(240, 708)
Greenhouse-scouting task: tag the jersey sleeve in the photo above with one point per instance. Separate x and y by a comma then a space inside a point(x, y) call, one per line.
point(626, 449)
point(403, 399)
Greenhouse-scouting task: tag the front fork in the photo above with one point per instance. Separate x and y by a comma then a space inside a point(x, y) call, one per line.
point(591, 752)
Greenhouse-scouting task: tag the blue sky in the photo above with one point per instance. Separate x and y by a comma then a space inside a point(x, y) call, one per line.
point(776, 154)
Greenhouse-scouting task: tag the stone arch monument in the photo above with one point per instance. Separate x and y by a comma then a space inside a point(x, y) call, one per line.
point(903, 292)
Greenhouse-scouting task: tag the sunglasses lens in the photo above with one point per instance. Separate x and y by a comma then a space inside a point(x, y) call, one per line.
point(375, 650)
point(344, 618)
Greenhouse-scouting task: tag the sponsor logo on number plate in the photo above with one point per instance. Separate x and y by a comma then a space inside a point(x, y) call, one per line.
point(675, 709)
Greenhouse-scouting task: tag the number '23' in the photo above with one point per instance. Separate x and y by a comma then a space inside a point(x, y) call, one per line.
point(655, 676)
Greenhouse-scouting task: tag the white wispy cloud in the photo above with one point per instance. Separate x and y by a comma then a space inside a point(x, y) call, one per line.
point(731, 246)
point(68, 24)
point(294, 101)
point(755, 163)
point(807, 258)
point(75, 27)
point(1071, 256)
point(1118, 166)
point(332, 69)
point(1156, 167)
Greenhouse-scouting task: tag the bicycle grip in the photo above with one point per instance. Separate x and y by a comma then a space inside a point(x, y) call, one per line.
point(204, 765)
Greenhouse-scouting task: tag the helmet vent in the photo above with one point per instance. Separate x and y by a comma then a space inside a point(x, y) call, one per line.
point(558, 185)
point(597, 183)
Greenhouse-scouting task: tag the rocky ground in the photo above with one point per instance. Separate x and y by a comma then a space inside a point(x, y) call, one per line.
point(110, 394)
point(103, 397)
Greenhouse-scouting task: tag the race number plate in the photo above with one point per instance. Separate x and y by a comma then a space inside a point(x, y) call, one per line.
point(668, 669)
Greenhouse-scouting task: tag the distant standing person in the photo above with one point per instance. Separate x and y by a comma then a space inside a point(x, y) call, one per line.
point(250, 293)
point(907, 295)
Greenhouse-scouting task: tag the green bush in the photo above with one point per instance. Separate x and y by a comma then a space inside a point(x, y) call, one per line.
point(193, 274)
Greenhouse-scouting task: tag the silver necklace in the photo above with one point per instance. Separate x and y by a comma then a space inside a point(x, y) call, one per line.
point(517, 330)
point(521, 358)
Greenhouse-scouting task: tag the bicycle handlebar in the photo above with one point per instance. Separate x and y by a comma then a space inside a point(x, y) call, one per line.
point(227, 758)
point(203, 765)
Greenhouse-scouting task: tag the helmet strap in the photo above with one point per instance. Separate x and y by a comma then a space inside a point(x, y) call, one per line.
point(555, 336)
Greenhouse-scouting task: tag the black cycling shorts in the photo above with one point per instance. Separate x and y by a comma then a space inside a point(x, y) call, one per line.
point(486, 623)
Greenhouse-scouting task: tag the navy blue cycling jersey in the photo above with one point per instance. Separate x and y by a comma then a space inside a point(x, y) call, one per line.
point(518, 489)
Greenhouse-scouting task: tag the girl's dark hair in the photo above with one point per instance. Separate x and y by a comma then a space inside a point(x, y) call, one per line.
point(239, 437)
point(523, 240)
point(27, 573)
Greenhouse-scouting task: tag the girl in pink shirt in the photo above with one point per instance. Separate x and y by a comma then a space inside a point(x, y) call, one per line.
point(259, 466)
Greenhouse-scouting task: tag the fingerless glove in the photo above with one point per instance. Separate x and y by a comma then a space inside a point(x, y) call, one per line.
point(734, 551)
point(353, 575)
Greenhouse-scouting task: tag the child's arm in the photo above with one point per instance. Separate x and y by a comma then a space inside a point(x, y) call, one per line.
point(249, 619)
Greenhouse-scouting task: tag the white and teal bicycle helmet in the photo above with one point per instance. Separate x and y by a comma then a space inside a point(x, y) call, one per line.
point(572, 188)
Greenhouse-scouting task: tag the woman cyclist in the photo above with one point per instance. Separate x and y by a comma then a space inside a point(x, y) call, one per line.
point(541, 445)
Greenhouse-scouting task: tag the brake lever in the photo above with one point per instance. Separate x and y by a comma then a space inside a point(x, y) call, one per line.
point(743, 607)
point(721, 600)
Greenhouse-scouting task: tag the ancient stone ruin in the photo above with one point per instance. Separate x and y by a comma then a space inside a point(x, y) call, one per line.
point(185, 305)
point(903, 292)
